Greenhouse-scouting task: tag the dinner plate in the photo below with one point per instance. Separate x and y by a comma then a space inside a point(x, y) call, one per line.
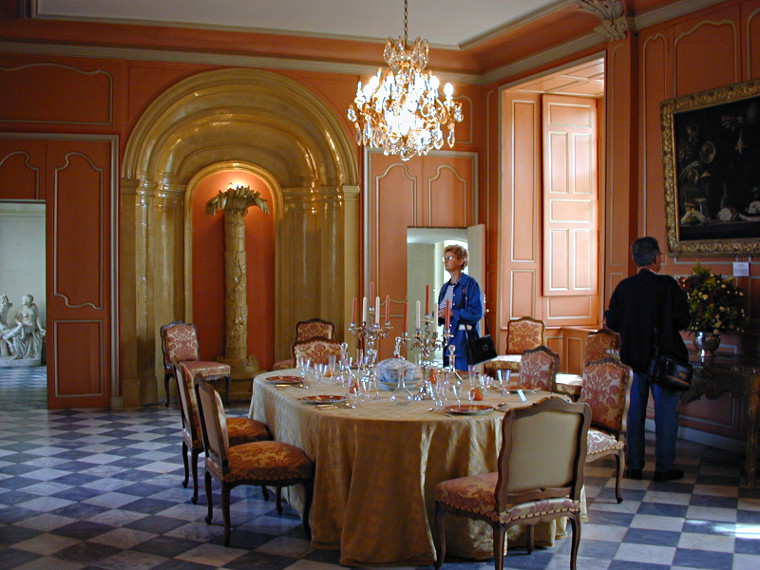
point(324, 399)
point(284, 379)
point(469, 409)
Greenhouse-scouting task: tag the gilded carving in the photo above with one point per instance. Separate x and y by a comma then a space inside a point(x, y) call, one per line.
point(614, 21)
point(235, 203)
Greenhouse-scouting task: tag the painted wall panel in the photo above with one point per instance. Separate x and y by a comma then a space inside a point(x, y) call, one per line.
point(22, 170)
point(80, 377)
point(85, 100)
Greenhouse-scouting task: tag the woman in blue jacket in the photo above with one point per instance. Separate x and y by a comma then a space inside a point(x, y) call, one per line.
point(466, 302)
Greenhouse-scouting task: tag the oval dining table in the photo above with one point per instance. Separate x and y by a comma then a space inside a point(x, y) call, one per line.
point(376, 467)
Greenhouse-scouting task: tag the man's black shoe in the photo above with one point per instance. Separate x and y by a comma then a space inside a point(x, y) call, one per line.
point(672, 475)
point(633, 473)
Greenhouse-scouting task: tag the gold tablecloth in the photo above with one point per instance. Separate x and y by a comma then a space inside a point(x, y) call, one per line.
point(376, 469)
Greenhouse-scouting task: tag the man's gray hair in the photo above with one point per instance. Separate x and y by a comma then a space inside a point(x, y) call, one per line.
point(644, 251)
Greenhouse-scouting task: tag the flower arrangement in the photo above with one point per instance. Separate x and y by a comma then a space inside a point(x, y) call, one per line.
point(716, 304)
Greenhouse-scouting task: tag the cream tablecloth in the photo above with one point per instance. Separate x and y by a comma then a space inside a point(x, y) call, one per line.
point(377, 466)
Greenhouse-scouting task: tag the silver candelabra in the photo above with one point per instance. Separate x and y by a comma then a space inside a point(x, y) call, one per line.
point(426, 341)
point(368, 333)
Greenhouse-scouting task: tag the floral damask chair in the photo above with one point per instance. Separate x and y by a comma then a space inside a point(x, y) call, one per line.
point(606, 384)
point(538, 369)
point(265, 463)
point(539, 477)
point(604, 343)
point(241, 430)
point(179, 343)
point(523, 334)
point(305, 330)
point(318, 350)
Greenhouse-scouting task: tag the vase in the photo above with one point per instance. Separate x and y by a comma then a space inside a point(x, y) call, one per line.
point(706, 342)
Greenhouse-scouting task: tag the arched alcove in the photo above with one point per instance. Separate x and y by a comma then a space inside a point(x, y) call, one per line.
point(226, 116)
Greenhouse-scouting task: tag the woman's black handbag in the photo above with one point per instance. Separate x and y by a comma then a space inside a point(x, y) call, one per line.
point(480, 348)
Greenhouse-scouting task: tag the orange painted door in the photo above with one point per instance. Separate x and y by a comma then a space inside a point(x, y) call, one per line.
point(79, 279)
point(570, 196)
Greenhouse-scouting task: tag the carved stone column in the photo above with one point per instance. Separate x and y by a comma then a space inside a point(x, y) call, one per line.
point(235, 203)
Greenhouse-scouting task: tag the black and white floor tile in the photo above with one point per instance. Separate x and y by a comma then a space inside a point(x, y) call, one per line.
point(102, 489)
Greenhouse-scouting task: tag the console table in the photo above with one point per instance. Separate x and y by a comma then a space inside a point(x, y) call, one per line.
point(739, 375)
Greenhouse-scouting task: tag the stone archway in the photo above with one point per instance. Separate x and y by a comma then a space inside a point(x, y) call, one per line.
point(258, 118)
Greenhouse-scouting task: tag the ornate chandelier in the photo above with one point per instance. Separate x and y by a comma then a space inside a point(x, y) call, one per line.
point(398, 109)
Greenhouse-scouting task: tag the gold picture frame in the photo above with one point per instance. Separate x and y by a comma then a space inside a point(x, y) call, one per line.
point(711, 154)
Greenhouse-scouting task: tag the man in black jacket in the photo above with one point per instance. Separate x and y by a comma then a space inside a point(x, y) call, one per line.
point(638, 305)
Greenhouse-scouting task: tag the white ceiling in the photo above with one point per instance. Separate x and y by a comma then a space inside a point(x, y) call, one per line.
point(446, 23)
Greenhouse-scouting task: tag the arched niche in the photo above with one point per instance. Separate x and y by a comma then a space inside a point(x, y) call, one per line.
point(219, 118)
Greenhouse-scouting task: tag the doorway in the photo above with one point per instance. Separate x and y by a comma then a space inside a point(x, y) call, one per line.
point(22, 267)
point(550, 232)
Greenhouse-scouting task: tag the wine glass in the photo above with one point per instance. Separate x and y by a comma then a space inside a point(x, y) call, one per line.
point(456, 388)
point(304, 362)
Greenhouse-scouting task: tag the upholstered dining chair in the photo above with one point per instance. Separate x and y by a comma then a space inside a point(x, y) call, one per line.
point(538, 368)
point(604, 343)
point(240, 430)
point(522, 334)
point(539, 477)
point(304, 331)
point(179, 343)
point(261, 463)
point(606, 385)
point(317, 349)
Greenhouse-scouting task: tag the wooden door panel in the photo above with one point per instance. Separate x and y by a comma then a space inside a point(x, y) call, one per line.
point(79, 275)
point(22, 170)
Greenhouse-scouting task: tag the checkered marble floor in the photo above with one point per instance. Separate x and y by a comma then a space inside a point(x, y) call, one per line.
point(102, 489)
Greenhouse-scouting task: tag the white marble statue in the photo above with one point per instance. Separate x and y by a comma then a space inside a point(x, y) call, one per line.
point(26, 336)
point(6, 347)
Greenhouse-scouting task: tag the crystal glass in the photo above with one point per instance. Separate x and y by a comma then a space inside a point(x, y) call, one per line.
point(303, 362)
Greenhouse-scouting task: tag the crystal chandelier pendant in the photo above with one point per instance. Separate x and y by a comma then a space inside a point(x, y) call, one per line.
point(399, 109)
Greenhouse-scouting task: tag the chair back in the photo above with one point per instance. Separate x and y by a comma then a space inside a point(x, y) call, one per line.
point(543, 452)
point(213, 424)
point(187, 402)
point(606, 384)
point(314, 328)
point(538, 368)
point(523, 334)
point(179, 343)
point(316, 349)
point(600, 343)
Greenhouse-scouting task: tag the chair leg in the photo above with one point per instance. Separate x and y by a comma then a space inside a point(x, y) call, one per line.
point(209, 501)
point(309, 492)
point(620, 467)
point(184, 462)
point(440, 535)
point(278, 499)
point(227, 391)
point(531, 538)
point(194, 466)
point(226, 512)
point(264, 492)
point(575, 525)
point(167, 377)
point(498, 546)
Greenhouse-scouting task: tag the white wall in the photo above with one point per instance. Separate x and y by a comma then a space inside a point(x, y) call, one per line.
point(22, 254)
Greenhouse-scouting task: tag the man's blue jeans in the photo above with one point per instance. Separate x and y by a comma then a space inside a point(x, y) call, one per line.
point(665, 421)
